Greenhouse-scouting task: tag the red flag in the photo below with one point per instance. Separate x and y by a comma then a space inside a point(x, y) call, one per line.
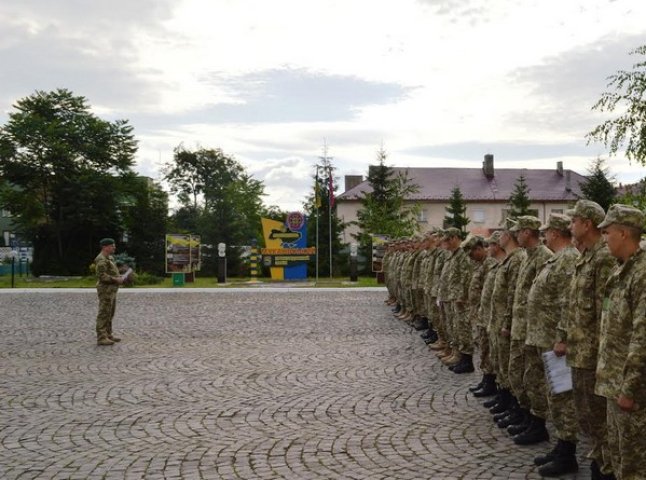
point(331, 189)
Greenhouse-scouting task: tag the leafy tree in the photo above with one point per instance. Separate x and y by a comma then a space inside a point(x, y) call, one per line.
point(456, 212)
point(63, 168)
point(598, 185)
point(145, 219)
point(635, 195)
point(629, 128)
point(218, 200)
point(385, 208)
point(519, 200)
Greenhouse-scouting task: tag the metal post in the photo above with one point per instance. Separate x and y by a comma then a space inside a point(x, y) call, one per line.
point(13, 268)
point(222, 263)
point(353, 262)
point(253, 261)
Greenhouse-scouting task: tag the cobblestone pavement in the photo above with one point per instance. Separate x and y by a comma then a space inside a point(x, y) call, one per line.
point(258, 384)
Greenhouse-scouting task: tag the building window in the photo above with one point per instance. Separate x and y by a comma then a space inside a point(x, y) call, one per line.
point(556, 210)
point(421, 217)
point(6, 213)
point(478, 216)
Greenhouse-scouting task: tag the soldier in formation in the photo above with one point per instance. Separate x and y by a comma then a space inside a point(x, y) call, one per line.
point(579, 293)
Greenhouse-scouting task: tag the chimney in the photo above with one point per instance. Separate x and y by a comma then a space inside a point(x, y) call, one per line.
point(487, 166)
point(559, 168)
point(568, 181)
point(352, 181)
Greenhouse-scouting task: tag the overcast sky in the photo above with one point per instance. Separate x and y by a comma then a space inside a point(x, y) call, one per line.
point(436, 82)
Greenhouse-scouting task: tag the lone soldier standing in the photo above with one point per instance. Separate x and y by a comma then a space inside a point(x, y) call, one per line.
point(622, 349)
point(107, 285)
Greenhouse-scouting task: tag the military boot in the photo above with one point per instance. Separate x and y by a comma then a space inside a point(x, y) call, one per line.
point(103, 341)
point(549, 456)
point(488, 388)
point(453, 359)
point(421, 323)
point(493, 401)
point(406, 317)
point(447, 352)
point(504, 403)
point(564, 461)
point(519, 427)
point(535, 433)
point(515, 416)
point(426, 334)
point(434, 337)
point(438, 345)
point(465, 365)
point(479, 385)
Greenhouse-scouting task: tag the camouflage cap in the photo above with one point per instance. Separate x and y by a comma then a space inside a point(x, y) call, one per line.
point(623, 215)
point(106, 241)
point(494, 237)
point(471, 241)
point(556, 221)
point(526, 221)
point(452, 232)
point(509, 224)
point(587, 209)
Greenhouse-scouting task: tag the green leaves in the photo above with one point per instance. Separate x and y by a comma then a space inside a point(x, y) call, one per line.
point(628, 130)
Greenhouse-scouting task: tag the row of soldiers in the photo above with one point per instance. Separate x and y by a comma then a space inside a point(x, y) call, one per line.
point(574, 287)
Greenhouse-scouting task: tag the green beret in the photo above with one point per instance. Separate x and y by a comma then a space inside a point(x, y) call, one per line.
point(106, 241)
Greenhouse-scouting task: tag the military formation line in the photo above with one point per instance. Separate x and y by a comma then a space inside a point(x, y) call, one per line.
point(531, 293)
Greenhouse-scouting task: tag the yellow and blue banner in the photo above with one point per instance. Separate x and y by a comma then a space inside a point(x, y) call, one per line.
point(286, 249)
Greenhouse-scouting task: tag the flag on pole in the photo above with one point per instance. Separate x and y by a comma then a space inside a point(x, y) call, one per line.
point(317, 191)
point(331, 189)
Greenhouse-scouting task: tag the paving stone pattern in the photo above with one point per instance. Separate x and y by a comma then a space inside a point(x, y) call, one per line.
point(297, 384)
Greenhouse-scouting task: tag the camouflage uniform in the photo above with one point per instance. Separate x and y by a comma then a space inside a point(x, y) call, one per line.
point(535, 258)
point(547, 302)
point(442, 296)
point(459, 275)
point(488, 354)
point(501, 308)
point(436, 315)
point(621, 366)
point(107, 288)
point(427, 283)
point(417, 285)
point(580, 330)
point(386, 266)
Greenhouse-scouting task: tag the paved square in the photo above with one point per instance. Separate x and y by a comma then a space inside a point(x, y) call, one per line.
point(291, 383)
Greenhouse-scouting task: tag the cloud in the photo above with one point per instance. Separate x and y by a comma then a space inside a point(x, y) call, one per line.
point(503, 151)
point(564, 87)
point(297, 95)
point(91, 51)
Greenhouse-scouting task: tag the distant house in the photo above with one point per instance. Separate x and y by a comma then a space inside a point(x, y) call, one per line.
point(486, 192)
